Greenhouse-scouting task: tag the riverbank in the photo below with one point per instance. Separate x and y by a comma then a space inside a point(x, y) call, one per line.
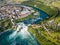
point(47, 9)
point(25, 18)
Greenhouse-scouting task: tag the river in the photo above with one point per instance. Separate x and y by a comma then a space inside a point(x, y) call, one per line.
point(22, 36)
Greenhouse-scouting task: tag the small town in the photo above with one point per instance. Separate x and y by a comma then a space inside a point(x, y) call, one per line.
point(14, 12)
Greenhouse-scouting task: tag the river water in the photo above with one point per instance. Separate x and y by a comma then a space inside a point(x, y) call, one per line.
point(22, 36)
point(42, 17)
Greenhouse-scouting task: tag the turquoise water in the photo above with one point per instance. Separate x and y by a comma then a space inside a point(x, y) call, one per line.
point(19, 38)
point(43, 16)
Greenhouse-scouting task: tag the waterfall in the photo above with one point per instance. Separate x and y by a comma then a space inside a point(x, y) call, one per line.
point(20, 36)
point(23, 30)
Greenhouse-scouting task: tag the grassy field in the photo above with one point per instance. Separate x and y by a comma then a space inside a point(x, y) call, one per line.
point(56, 4)
point(57, 19)
point(44, 38)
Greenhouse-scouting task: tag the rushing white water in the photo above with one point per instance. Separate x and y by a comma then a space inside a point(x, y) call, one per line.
point(22, 31)
point(21, 28)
